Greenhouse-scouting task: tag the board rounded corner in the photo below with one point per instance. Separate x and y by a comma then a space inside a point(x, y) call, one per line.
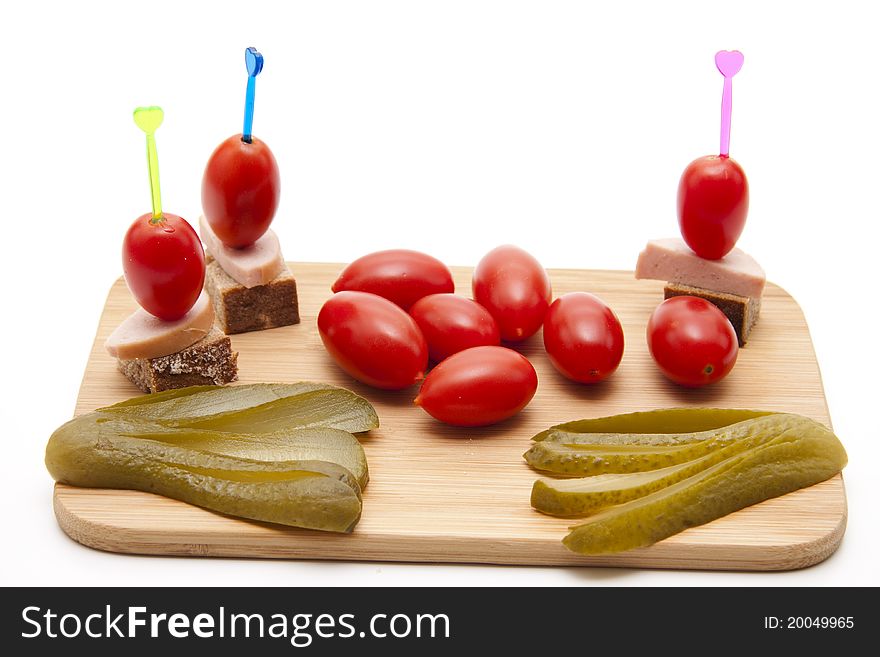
point(85, 531)
point(798, 556)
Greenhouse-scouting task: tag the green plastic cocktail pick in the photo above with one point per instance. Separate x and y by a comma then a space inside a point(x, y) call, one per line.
point(148, 119)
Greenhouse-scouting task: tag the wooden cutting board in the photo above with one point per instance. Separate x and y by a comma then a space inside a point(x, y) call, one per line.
point(445, 494)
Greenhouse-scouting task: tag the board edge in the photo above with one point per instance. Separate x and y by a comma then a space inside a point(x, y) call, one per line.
point(107, 537)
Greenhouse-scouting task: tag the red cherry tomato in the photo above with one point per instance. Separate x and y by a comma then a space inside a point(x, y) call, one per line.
point(515, 289)
point(399, 275)
point(451, 323)
point(583, 337)
point(164, 265)
point(240, 191)
point(373, 340)
point(478, 387)
point(692, 341)
point(713, 201)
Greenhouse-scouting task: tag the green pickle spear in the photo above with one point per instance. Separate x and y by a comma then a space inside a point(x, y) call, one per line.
point(309, 494)
point(656, 473)
point(583, 454)
point(255, 408)
point(278, 453)
point(156, 397)
point(583, 460)
point(732, 431)
point(662, 421)
point(587, 495)
point(313, 444)
point(796, 458)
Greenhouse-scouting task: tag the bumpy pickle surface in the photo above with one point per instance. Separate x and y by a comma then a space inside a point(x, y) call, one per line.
point(792, 460)
point(255, 408)
point(270, 452)
point(314, 444)
point(587, 453)
point(661, 421)
point(587, 495)
point(656, 473)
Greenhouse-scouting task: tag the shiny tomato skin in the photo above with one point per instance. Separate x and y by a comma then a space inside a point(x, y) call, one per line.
point(692, 341)
point(164, 265)
point(451, 323)
point(478, 387)
point(399, 275)
point(515, 289)
point(240, 191)
point(583, 337)
point(373, 340)
point(713, 201)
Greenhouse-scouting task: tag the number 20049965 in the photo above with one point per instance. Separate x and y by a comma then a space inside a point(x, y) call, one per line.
point(809, 622)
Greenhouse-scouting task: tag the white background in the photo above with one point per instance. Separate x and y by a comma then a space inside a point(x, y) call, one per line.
point(449, 127)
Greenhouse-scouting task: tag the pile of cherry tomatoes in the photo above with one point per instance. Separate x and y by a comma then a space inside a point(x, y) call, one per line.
point(394, 312)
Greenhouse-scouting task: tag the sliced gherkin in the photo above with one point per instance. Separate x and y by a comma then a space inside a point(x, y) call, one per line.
point(662, 421)
point(588, 495)
point(255, 408)
point(729, 432)
point(308, 494)
point(584, 460)
point(798, 457)
point(164, 395)
point(316, 444)
point(275, 452)
point(601, 453)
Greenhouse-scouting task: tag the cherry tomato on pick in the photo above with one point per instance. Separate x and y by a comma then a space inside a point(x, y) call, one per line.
point(240, 191)
point(692, 341)
point(713, 201)
point(583, 337)
point(164, 265)
point(373, 340)
point(399, 275)
point(478, 386)
point(451, 323)
point(515, 289)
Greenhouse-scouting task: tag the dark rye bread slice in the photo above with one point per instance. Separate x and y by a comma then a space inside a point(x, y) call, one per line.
point(209, 361)
point(741, 311)
point(239, 309)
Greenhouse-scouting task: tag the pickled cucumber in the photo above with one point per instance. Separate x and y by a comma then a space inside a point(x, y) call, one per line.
point(796, 458)
point(731, 431)
point(273, 452)
point(142, 400)
point(662, 421)
point(581, 460)
point(256, 408)
point(308, 494)
point(585, 496)
point(604, 453)
point(316, 444)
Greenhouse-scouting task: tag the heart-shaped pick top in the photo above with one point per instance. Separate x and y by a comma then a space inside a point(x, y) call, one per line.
point(253, 60)
point(148, 118)
point(729, 62)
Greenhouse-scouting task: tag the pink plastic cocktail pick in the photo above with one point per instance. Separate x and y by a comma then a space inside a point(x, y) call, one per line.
point(729, 62)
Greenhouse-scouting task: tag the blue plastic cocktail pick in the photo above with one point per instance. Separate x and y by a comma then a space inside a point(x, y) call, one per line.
point(253, 60)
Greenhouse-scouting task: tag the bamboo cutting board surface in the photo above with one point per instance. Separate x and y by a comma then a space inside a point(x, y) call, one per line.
point(444, 494)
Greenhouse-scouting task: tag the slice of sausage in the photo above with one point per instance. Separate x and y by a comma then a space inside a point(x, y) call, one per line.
point(141, 335)
point(257, 264)
point(672, 260)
